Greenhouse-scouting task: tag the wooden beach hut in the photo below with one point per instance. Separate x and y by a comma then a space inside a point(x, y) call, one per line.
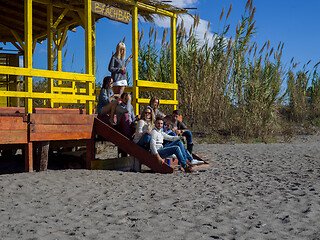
point(24, 23)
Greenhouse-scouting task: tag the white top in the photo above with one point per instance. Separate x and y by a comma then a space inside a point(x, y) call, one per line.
point(141, 127)
point(157, 138)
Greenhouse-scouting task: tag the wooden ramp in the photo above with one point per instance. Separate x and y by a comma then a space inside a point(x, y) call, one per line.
point(146, 158)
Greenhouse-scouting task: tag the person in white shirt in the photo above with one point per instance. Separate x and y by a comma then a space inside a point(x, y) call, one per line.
point(157, 149)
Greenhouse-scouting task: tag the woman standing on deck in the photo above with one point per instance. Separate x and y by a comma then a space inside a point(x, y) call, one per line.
point(144, 127)
point(117, 67)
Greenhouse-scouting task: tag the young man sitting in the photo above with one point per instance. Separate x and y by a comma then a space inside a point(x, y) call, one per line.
point(168, 130)
point(180, 128)
point(176, 147)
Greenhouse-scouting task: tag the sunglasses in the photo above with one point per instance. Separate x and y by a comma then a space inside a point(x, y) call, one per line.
point(147, 112)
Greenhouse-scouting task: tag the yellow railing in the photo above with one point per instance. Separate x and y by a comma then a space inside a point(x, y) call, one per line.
point(61, 94)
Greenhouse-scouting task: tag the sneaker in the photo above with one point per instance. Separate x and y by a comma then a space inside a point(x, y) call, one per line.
point(195, 162)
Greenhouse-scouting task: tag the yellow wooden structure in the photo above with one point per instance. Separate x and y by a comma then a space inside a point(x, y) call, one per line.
point(30, 21)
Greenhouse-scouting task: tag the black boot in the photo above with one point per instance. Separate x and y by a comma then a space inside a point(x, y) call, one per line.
point(190, 148)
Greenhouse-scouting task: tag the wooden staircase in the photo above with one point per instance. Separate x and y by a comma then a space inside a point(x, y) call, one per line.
point(146, 158)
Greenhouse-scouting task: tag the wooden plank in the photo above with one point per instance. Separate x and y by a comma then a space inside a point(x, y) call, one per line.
point(29, 157)
point(11, 119)
point(61, 119)
point(11, 110)
point(90, 152)
point(43, 153)
point(59, 136)
point(58, 111)
point(13, 136)
point(37, 128)
point(130, 147)
point(14, 124)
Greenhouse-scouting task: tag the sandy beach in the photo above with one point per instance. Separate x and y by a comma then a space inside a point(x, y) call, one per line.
point(250, 191)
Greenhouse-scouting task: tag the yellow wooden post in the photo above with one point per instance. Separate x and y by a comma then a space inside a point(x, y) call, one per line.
point(135, 74)
point(28, 51)
point(88, 34)
point(173, 59)
point(93, 56)
point(50, 48)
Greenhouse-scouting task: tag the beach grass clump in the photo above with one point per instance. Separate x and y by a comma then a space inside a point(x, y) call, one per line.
point(229, 86)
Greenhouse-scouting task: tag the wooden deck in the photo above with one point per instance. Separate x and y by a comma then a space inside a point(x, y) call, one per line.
point(20, 130)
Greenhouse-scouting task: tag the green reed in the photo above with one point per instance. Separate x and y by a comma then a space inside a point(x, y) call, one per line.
point(227, 84)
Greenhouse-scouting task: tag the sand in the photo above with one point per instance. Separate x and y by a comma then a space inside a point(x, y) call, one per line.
point(250, 191)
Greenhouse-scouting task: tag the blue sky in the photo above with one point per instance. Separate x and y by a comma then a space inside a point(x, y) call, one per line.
point(294, 22)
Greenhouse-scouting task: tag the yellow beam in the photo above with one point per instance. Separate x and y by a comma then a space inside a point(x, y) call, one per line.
point(63, 38)
point(69, 90)
point(46, 74)
point(28, 52)
point(59, 51)
point(162, 101)
point(93, 55)
point(158, 85)
point(146, 7)
point(36, 95)
point(50, 47)
point(88, 50)
point(65, 11)
point(154, 10)
point(174, 60)
point(61, 27)
point(135, 64)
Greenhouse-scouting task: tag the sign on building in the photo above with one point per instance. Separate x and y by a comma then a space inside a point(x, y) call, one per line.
point(110, 12)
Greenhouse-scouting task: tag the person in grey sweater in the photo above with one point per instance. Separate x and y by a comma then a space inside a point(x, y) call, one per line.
point(117, 67)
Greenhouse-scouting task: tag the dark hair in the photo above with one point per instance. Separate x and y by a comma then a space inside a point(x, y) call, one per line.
point(106, 82)
point(177, 112)
point(168, 117)
point(159, 118)
point(123, 95)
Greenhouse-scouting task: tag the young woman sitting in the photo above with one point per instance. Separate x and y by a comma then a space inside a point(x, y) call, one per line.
point(107, 100)
point(144, 127)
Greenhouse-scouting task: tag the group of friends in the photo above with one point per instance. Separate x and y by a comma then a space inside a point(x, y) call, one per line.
point(162, 134)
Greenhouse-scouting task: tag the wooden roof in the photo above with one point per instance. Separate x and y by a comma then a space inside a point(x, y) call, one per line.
point(12, 15)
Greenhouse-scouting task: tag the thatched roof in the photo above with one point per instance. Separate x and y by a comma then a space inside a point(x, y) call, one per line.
point(12, 15)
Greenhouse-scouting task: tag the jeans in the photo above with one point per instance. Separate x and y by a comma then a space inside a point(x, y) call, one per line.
point(185, 154)
point(125, 126)
point(144, 140)
point(173, 149)
point(165, 142)
point(188, 136)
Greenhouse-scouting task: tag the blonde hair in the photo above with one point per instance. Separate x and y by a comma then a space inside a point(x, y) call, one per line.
point(153, 119)
point(120, 46)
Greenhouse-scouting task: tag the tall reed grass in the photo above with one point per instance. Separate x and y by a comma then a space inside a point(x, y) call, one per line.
point(227, 84)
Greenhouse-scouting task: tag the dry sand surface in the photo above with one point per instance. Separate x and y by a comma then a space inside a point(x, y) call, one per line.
point(250, 191)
